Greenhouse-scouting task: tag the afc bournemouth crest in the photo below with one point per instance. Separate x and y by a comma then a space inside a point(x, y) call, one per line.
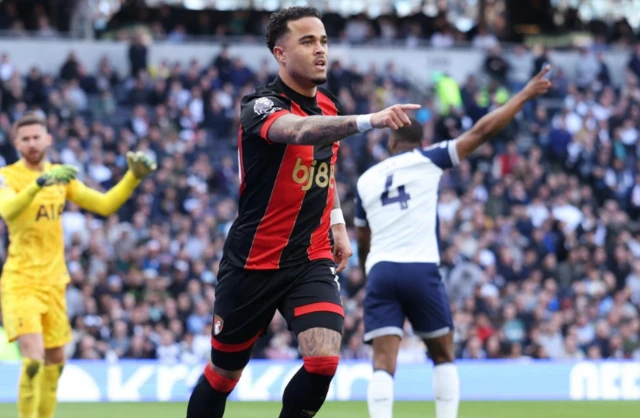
point(218, 323)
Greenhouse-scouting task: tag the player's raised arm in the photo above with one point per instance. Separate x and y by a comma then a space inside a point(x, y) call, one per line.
point(323, 130)
point(492, 123)
point(106, 204)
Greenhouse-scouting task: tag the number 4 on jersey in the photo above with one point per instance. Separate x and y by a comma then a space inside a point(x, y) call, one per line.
point(402, 196)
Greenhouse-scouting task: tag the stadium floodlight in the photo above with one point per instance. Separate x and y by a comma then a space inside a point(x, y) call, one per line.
point(406, 7)
point(232, 5)
point(430, 8)
point(194, 4)
point(271, 5)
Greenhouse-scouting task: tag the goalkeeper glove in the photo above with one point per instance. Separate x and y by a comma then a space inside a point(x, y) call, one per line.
point(60, 174)
point(139, 164)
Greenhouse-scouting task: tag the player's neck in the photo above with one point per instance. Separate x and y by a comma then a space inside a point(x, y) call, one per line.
point(296, 86)
point(399, 149)
point(34, 167)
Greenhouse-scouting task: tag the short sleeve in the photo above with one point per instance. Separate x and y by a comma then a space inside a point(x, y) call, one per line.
point(443, 154)
point(360, 218)
point(259, 114)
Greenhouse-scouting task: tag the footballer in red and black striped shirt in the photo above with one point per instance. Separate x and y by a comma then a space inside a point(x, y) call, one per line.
point(287, 191)
point(278, 254)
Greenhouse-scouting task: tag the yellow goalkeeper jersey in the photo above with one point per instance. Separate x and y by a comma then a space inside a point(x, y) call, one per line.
point(36, 239)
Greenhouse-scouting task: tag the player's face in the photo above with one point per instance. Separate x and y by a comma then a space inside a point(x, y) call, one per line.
point(305, 50)
point(33, 141)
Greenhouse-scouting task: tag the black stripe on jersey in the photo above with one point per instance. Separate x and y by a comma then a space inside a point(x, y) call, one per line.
point(261, 164)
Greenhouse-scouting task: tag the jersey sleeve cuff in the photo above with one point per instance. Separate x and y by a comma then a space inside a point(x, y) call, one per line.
point(360, 222)
point(264, 131)
point(453, 153)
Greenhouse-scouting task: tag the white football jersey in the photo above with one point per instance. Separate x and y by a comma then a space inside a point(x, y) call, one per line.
point(398, 200)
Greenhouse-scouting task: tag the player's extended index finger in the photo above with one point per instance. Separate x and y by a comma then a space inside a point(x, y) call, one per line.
point(409, 106)
point(543, 72)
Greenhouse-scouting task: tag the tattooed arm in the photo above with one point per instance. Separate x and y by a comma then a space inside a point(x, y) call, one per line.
point(324, 130)
point(312, 130)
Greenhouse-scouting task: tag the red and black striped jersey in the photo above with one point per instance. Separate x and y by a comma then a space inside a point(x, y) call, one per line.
point(286, 191)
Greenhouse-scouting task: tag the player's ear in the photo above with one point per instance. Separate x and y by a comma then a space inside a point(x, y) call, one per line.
point(393, 142)
point(278, 52)
point(49, 139)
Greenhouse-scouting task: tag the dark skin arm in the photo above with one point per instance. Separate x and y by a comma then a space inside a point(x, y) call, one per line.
point(489, 125)
point(363, 236)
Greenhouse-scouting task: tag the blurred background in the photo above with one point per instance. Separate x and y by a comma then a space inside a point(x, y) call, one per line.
point(540, 228)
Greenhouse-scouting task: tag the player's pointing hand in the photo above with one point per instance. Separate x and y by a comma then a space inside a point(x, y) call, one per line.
point(394, 117)
point(538, 85)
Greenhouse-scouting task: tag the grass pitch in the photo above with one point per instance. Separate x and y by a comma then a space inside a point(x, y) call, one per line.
point(612, 409)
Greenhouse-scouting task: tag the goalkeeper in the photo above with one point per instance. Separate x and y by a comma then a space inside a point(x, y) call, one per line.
point(33, 193)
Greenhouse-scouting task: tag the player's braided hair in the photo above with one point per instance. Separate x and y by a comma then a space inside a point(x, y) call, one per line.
point(278, 22)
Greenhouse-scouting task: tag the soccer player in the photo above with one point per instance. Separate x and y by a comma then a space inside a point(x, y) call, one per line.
point(398, 248)
point(33, 193)
point(278, 254)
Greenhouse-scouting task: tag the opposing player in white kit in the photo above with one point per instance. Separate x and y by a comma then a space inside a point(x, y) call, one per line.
point(398, 245)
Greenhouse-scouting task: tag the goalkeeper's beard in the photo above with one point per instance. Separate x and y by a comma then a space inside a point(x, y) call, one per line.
point(35, 158)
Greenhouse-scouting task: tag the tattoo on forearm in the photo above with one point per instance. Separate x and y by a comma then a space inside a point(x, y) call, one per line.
point(319, 342)
point(336, 198)
point(313, 130)
point(321, 130)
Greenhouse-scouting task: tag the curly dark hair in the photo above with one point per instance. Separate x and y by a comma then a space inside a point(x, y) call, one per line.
point(278, 22)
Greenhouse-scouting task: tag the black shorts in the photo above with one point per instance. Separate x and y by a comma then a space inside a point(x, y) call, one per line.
point(307, 296)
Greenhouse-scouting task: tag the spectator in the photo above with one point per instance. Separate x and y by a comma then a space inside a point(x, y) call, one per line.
point(519, 65)
point(484, 39)
point(137, 55)
point(587, 69)
point(69, 70)
point(496, 66)
point(634, 61)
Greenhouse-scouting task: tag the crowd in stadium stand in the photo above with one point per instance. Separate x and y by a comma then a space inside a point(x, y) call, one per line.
point(540, 229)
point(438, 23)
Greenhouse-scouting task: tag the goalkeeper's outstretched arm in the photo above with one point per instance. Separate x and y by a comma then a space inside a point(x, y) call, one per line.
point(103, 204)
point(108, 203)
